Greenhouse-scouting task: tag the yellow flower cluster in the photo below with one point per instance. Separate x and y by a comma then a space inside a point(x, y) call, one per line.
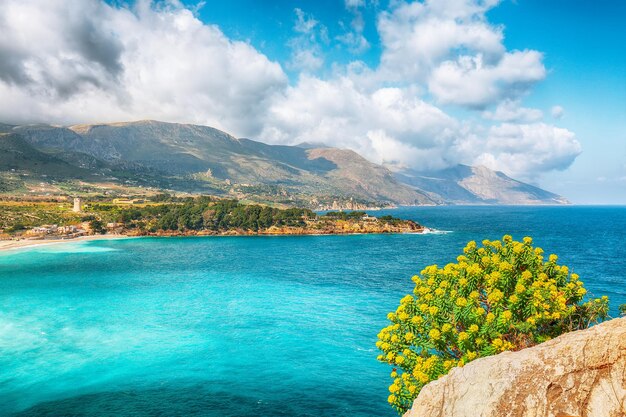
point(496, 297)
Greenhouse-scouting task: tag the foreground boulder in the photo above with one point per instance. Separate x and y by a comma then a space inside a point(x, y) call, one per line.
point(579, 374)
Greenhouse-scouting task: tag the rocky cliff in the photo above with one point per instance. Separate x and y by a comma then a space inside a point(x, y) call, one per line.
point(579, 374)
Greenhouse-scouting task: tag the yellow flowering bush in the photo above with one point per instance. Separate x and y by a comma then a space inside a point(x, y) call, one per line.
point(500, 296)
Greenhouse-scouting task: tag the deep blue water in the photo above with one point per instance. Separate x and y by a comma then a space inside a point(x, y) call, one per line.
point(246, 326)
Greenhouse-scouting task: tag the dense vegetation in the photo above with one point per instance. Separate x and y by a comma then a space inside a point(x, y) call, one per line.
point(17, 216)
point(501, 296)
point(204, 213)
point(167, 213)
point(345, 215)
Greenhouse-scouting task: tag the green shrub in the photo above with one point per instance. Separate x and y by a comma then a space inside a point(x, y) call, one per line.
point(501, 296)
point(17, 227)
point(97, 226)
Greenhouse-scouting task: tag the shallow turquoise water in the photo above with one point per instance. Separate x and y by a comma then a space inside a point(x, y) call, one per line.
point(236, 326)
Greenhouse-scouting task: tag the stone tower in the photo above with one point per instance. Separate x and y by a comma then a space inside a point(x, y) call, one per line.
point(78, 205)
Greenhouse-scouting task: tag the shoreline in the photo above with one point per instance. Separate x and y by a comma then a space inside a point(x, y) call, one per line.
point(9, 245)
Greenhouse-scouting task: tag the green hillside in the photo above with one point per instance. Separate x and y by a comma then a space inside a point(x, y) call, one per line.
point(200, 159)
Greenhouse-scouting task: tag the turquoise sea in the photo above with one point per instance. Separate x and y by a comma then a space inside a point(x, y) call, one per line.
point(247, 326)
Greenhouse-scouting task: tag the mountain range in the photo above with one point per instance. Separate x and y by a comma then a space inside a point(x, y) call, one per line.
point(201, 159)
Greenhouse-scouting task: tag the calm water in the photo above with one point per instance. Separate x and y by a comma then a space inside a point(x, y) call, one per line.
point(258, 326)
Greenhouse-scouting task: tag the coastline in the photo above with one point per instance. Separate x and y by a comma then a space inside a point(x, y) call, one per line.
point(15, 244)
point(9, 245)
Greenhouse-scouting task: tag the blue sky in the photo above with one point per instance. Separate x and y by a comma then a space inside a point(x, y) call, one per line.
point(269, 25)
point(585, 52)
point(535, 89)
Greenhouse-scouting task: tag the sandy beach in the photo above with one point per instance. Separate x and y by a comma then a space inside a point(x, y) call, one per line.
point(6, 245)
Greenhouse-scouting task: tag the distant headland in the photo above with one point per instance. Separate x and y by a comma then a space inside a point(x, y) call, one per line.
point(167, 215)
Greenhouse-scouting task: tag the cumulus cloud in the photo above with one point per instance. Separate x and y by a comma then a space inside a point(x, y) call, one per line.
point(418, 36)
point(523, 150)
point(512, 111)
point(85, 53)
point(387, 125)
point(450, 45)
point(88, 61)
point(469, 82)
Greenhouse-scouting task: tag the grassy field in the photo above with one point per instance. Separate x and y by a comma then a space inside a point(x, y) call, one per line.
point(20, 215)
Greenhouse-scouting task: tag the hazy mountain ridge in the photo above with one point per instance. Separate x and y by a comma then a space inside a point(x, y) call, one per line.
point(203, 159)
point(464, 184)
point(17, 154)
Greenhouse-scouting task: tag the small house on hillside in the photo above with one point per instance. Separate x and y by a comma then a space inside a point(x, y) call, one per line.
point(45, 229)
point(67, 229)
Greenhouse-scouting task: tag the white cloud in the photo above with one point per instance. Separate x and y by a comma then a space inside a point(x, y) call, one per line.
point(512, 111)
point(355, 41)
point(557, 112)
point(354, 3)
point(450, 46)
point(56, 50)
point(306, 52)
point(523, 150)
point(418, 36)
point(353, 37)
point(87, 61)
point(79, 62)
point(377, 123)
point(306, 59)
point(468, 81)
point(304, 24)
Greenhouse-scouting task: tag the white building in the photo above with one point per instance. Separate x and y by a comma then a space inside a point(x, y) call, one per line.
point(67, 229)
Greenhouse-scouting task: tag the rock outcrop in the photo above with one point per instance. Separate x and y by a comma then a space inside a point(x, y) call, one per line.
point(579, 374)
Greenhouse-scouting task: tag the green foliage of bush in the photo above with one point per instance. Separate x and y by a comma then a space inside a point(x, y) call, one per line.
point(222, 215)
point(16, 217)
point(498, 297)
point(345, 215)
point(17, 227)
point(97, 226)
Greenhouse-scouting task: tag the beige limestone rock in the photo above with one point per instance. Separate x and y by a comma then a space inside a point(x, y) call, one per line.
point(579, 374)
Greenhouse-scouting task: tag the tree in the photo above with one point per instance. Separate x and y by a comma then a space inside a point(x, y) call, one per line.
point(17, 227)
point(501, 296)
point(97, 227)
